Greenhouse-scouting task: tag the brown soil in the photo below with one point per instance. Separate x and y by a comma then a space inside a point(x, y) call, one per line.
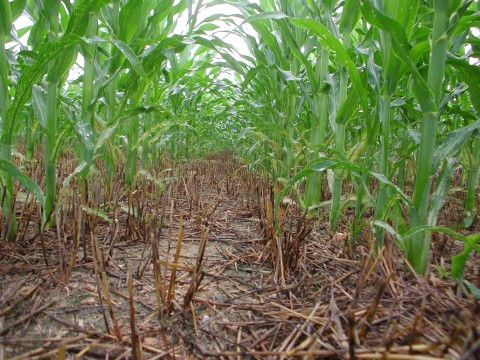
point(326, 303)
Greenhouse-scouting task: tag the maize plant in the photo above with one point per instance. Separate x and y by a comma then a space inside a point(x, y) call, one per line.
point(359, 104)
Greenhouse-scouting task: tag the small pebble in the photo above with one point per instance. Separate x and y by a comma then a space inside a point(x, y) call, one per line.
point(89, 301)
point(89, 287)
point(206, 321)
point(339, 239)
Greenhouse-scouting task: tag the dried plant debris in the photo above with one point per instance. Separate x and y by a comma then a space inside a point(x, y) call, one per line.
point(192, 267)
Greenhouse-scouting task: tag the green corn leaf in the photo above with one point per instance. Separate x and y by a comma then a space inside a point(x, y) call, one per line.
point(78, 21)
point(274, 15)
point(374, 73)
point(294, 48)
point(272, 43)
point(383, 179)
point(129, 210)
point(328, 40)
point(441, 190)
point(423, 228)
point(84, 131)
point(211, 18)
point(235, 64)
point(39, 103)
point(419, 49)
point(324, 165)
point(33, 74)
point(38, 32)
point(105, 135)
point(466, 23)
point(387, 227)
point(97, 212)
point(62, 65)
point(81, 168)
point(288, 75)
point(350, 16)
point(455, 141)
point(128, 26)
point(17, 7)
point(207, 27)
point(153, 58)
point(214, 45)
point(402, 51)
point(51, 8)
point(404, 12)
point(354, 152)
point(448, 7)
point(12, 170)
point(416, 53)
point(5, 18)
point(316, 166)
point(125, 50)
point(64, 12)
point(22, 32)
point(473, 289)
point(158, 182)
point(459, 261)
point(59, 139)
point(251, 74)
point(470, 74)
point(348, 108)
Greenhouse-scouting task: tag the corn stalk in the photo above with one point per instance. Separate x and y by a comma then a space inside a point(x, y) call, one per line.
point(5, 132)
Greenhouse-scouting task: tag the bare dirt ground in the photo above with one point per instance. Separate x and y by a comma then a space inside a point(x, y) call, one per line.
point(232, 302)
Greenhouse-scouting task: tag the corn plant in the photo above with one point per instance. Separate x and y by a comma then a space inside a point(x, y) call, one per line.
point(428, 94)
point(5, 151)
point(392, 25)
point(361, 95)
